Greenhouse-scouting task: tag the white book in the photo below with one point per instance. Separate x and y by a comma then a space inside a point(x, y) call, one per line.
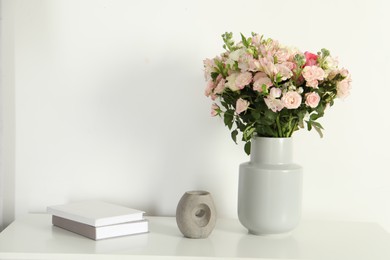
point(97, 233)
point(96, 213)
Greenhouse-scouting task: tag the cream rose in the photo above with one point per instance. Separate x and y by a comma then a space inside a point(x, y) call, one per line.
point(343, 88)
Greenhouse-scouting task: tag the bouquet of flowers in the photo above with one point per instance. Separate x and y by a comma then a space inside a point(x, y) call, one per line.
point(267, 89)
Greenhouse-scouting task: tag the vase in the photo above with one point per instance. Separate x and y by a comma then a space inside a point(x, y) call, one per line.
point(270, 187)
point(196, 214)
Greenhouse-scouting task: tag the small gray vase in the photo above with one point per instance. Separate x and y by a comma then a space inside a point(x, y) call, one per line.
point(195, 214)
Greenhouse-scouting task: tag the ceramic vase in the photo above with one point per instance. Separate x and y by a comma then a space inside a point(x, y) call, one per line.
point(195, 214)
point(270, 187)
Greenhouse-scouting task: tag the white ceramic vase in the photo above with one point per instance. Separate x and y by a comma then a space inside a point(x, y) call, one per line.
point(270, 187)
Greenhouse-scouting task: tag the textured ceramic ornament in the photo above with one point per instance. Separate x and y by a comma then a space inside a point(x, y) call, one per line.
point(195, 214)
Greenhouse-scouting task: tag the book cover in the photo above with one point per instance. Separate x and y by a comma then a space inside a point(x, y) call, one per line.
point(96, 213)
point(103, 232)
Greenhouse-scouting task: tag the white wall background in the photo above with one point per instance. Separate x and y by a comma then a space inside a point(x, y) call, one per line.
point(7, 114)
point(108, 103)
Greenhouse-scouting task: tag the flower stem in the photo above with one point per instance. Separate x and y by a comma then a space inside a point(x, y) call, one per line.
point(292, 128)
point(279, 127)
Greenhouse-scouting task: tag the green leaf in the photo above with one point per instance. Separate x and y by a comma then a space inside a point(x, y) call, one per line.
point(224, 104)
point(248, 132)
point(264, 89)
point(278, 77)
point(240, 125)
point(220, 69)
point(255, 114)
point(319, 131)
point(325, 53)
point(316, 124)
point(318, 127)
point(235, 66)
point(270, 117)
point(234, 135)
point(228, 119)
point(247, 148)
point(228, 40)
point(214, 75)
point(314, 116)
point(268, 131)
point(270, 114)
point(244, 41)
point(308, 125)
point(300, 124)
point(300, 60)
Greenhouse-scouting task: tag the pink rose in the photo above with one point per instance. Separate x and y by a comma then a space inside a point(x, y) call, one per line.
point(312, 99)
point(241, 105)
point(243, 79)
point(312, 74)
point(311, 59)
point(291, 100)
point(214, 109)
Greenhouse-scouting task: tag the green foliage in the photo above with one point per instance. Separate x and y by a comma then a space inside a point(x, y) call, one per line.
point(246, 41)
point(220, 69)
point(228, 119)
point(229, 42)
point(234, 135)
point(247, 147)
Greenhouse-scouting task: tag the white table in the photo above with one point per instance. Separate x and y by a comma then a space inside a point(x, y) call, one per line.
point(33, 237)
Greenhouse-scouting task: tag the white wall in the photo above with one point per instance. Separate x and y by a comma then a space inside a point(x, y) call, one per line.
point(109, 103)
point(7, 115)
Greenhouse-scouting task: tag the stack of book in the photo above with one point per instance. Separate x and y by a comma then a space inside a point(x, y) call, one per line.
point(98, 220)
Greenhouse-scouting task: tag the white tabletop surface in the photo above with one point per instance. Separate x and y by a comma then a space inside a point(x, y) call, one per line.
point(34, 237)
